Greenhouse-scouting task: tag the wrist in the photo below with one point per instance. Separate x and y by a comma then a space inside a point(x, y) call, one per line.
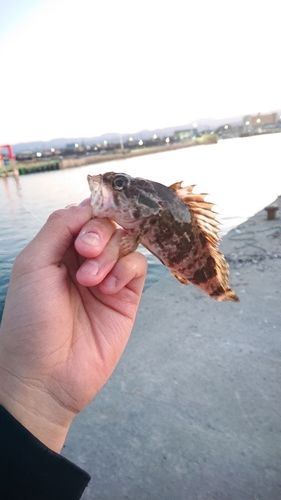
point(35, 409)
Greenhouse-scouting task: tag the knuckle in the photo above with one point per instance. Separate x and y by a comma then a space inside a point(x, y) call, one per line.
point(100, 225)
point(56, 215)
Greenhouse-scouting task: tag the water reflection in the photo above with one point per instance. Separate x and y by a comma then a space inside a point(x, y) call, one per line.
point(9, 183)
point(242, 175)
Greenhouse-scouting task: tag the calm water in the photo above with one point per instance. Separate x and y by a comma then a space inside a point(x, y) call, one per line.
point(241, 175)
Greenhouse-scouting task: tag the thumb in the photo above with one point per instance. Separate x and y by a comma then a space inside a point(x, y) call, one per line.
point(56, 236)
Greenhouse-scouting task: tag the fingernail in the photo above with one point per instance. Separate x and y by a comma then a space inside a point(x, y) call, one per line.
point(90, 238)
point(90, 267)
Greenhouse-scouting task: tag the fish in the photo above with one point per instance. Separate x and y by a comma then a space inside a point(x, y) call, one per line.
point(175, 224)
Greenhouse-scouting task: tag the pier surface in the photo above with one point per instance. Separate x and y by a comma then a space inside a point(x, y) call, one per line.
point(192, 411)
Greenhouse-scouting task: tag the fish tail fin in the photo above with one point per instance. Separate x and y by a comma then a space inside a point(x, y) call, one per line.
point(227, 294)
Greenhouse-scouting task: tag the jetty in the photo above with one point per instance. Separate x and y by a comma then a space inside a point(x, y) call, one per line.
point(192, 411)
point(29, 167)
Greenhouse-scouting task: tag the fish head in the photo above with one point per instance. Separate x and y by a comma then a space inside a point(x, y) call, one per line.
point(124, 199)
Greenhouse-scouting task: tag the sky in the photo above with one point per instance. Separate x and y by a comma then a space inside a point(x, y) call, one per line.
point(82, 68)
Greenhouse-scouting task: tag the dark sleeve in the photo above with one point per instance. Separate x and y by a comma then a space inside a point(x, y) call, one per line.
point(31, 471)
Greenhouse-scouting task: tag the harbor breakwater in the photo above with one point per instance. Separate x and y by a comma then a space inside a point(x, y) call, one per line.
point(23, 168)
point(192, 410)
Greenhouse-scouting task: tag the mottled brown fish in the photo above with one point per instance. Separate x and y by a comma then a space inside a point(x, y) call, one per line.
point(175, 224)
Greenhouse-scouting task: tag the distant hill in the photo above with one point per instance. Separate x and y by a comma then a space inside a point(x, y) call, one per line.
point(114, 137)
point(213, 123)
point(61, 143)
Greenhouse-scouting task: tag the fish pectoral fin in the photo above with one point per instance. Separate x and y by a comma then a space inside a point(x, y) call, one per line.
point(183, 281)
point(128, 244)
point(202, 211)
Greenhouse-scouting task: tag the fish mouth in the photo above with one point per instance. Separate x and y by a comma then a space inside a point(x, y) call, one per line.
point(95, 182)
point(100, 195)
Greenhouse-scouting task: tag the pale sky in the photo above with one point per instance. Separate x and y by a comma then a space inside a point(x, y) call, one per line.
point(82, 68)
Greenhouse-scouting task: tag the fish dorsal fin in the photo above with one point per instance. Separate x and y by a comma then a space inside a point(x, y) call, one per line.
point(177, 185)
point(200, 209)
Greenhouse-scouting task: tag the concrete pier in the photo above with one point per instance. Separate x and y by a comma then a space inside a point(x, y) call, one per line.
point(192, 411)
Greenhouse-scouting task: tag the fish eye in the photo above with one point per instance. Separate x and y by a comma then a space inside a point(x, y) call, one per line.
point(120, 182)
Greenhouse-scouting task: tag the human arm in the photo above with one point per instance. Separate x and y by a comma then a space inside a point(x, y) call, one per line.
point(69, 312)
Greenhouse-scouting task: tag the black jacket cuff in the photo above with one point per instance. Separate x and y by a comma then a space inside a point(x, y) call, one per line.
point(31, 471)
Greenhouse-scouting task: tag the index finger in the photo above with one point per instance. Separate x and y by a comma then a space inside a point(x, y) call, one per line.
point(55, 237)
point(94, 236)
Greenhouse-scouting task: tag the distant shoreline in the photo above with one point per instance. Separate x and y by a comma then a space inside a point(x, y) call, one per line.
point(67, 162)
point(22, 168)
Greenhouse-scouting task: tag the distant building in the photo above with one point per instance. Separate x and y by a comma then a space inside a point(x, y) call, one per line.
point(255, 124)
point(26, 155)
point(261, 120)
point(185, 135)
point(228, 131)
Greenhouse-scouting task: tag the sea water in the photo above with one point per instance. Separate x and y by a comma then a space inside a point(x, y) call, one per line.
point(241, 176)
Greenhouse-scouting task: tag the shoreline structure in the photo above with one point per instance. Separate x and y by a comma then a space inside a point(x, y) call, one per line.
point(21, 168)
point(193, 408)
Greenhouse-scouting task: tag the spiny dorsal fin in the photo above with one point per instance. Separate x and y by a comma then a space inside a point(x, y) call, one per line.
point(177, 185)
point(202, 211)
point(204, 219)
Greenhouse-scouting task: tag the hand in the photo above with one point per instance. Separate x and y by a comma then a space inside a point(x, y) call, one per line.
point(69, 311)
